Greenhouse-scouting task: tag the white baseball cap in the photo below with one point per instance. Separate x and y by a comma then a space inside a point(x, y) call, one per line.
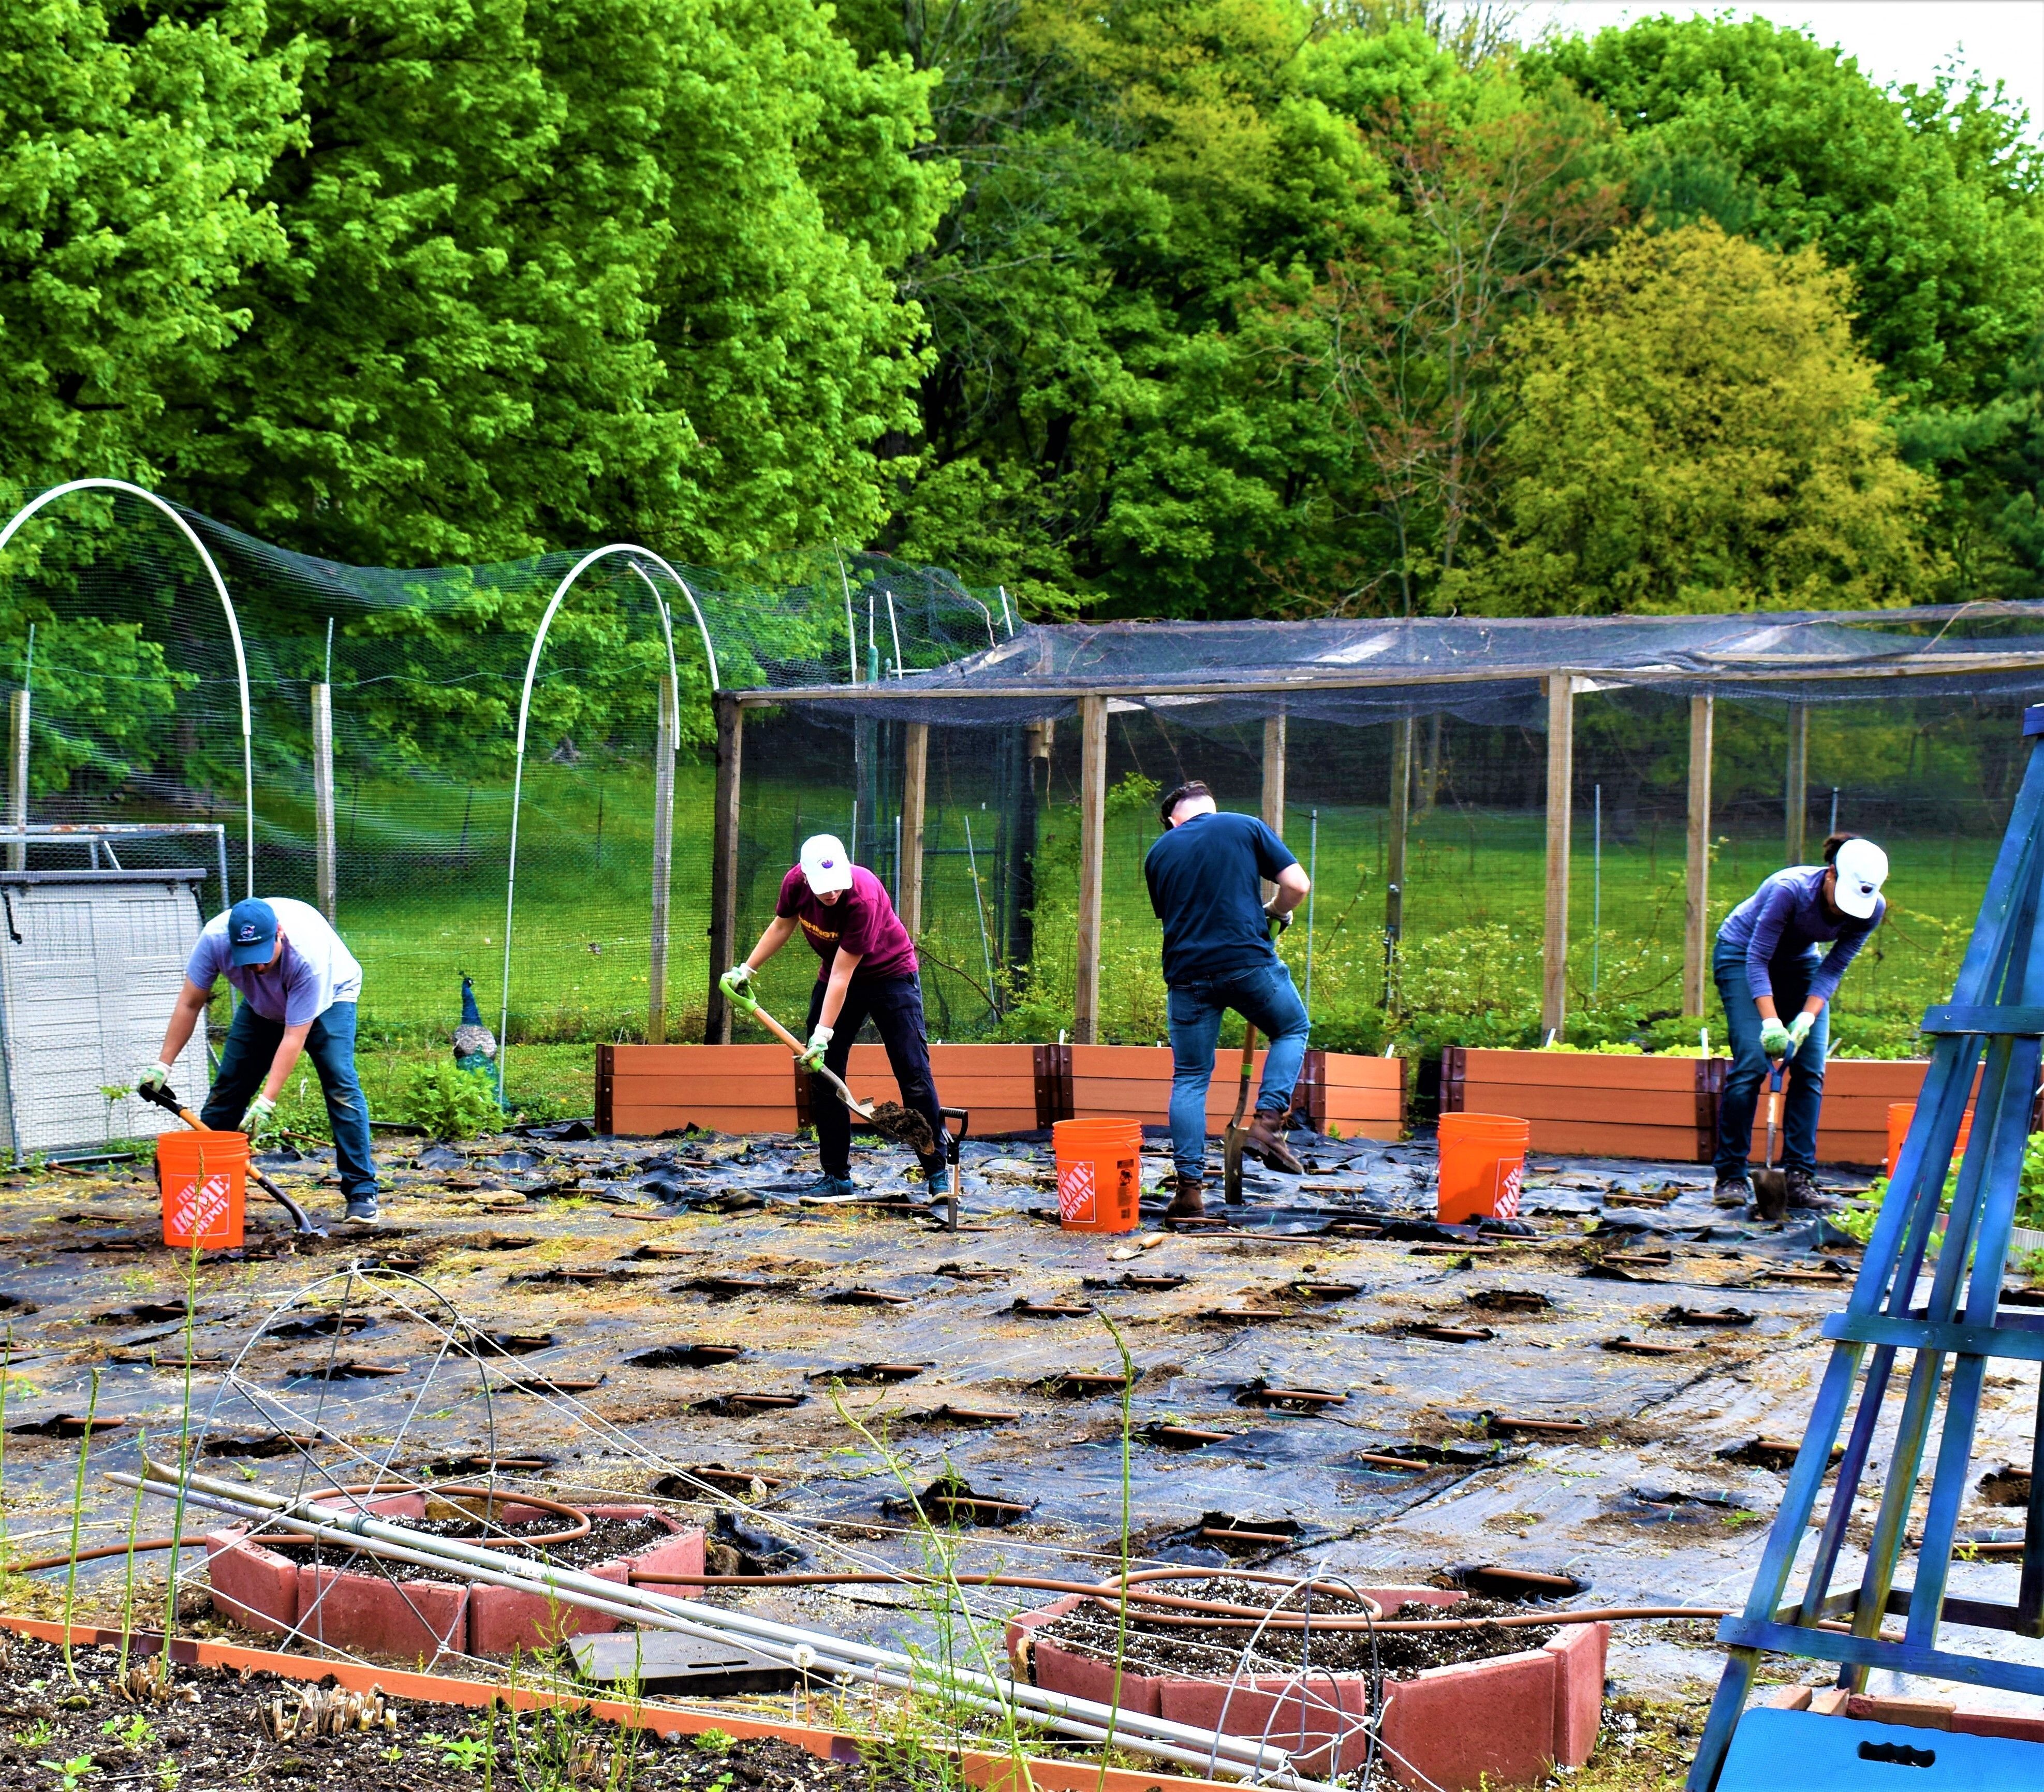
point(1862, 868)
point(827, 866)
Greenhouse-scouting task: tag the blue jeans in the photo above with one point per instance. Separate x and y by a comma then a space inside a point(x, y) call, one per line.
point(245, 1060)
point(1264, 997)
point(1803, 1084)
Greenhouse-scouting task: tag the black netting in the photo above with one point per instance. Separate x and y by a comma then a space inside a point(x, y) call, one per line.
point(136, 718)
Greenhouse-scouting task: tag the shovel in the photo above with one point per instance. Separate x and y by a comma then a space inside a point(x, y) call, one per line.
point(1770, 1185)
point(300, 1221)
point(1232, 1139)
point(796, 1046)
point(904, 1125)
point(952, 1142)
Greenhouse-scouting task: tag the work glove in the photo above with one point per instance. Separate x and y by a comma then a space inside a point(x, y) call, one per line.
point(735, 983)
point(813, 1059)
point(153, 1078)
point(1774, 1039)
point(1283, 920)
point(256, 1122)
point(1799, 1030)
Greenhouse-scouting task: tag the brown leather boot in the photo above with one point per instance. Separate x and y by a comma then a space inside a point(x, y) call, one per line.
point(1188, 1198)
point(1266, 1144)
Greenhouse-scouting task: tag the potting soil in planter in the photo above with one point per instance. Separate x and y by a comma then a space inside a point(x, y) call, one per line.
point(607, 1540)
point(218, 1726)
point(1198, 1648)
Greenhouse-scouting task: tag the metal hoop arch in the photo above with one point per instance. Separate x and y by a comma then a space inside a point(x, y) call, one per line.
point(226, 603)
point(525, 716)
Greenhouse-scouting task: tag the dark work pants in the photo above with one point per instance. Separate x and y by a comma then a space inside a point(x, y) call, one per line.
point(1746, 1082)
point(245, 1059)
point(894, 1004)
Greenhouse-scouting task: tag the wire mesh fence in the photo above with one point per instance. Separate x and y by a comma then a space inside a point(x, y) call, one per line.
point(112, 621)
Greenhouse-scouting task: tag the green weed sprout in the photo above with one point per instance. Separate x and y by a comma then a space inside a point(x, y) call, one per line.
point(77, 1520)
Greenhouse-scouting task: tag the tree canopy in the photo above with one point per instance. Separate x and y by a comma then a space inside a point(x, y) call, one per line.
point(1694, 430)
point(1192, 307)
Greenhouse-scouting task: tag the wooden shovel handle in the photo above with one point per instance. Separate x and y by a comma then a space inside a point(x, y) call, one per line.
point(796, 1046)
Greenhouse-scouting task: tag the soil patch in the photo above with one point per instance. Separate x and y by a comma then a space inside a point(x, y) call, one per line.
point(214, 1725)
point(608, 1539)
point(1200, 1649)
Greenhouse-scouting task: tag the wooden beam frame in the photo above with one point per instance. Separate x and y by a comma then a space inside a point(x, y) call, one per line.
point(724, 862)
point(1273, 781)
point(1397, 820)
point(1795, 788)
point(665, 740)
point(1696, 912)
point(325, 857)
point(1092, 845)
point(1561, 798)
point(915, 784)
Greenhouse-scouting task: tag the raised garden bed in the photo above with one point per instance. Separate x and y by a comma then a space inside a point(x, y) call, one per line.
point(648, 1090)
point(1493, 1707)
point(1599, 1104)
point(279, 1586)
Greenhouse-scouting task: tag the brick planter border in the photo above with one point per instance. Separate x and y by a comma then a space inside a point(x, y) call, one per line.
point(1507, 1721)
point(263, 1589)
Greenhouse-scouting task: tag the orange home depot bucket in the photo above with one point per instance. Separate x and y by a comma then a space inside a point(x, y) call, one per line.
point(204, 1178)
point(1099, 1164)
point(1483, 1158)
point(1900, 1114)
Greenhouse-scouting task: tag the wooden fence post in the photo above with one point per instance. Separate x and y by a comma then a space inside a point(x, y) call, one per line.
point(723, 864)
point(1561, 792)
point(326, 873)
point(1093, 844)
point(1696, 914)
point(17, 807)
point(1795, 794)
point(1273, 781)
point(665, 736)
point(914, 784)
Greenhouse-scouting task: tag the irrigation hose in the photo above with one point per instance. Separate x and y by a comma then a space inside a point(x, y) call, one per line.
point(104, 1551)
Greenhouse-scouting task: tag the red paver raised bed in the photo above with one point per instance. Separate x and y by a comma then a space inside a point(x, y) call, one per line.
point(263, 1589)
point(1506, 1721)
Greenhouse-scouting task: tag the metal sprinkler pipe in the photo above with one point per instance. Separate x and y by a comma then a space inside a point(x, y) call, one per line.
point(802, 1656)
point(1082, 1719)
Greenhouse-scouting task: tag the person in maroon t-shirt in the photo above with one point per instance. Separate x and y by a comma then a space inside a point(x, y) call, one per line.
point(868, 970)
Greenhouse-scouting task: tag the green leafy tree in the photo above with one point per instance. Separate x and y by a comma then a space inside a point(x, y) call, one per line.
point(131, 143)
point(1696, 430)
point(1933, 196)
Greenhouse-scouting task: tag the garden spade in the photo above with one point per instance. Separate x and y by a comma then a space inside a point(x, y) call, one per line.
point(1770, 1185)
point(1232, 1140)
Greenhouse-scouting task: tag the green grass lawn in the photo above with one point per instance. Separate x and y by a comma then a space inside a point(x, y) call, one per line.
point(422, 901)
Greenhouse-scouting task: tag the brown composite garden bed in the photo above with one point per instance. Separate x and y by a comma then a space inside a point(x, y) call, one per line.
point(1594, 1104)
point(647, 1090)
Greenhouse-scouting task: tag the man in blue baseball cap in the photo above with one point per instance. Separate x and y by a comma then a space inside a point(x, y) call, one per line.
point(299, 986)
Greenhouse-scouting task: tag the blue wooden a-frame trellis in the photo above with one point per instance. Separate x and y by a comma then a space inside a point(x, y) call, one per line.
point(1997, 1010)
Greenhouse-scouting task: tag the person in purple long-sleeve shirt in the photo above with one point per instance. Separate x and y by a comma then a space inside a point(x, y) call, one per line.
point(1767, 962)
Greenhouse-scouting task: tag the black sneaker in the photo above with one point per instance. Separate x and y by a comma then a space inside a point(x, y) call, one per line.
point(362, 1209)
point(1732, 1191)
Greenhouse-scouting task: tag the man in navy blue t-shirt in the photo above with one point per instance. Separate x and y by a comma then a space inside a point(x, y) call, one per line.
point(1205, 877)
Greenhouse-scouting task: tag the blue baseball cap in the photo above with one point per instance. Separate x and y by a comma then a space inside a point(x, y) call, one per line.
point(251, 932)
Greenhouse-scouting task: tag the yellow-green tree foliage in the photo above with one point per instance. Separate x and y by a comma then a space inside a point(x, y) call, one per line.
point(1694, 430)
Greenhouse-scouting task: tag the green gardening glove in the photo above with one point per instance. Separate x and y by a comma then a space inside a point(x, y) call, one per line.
point(1774, 1039)
point(1799, 1030)
point(257, 1121)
